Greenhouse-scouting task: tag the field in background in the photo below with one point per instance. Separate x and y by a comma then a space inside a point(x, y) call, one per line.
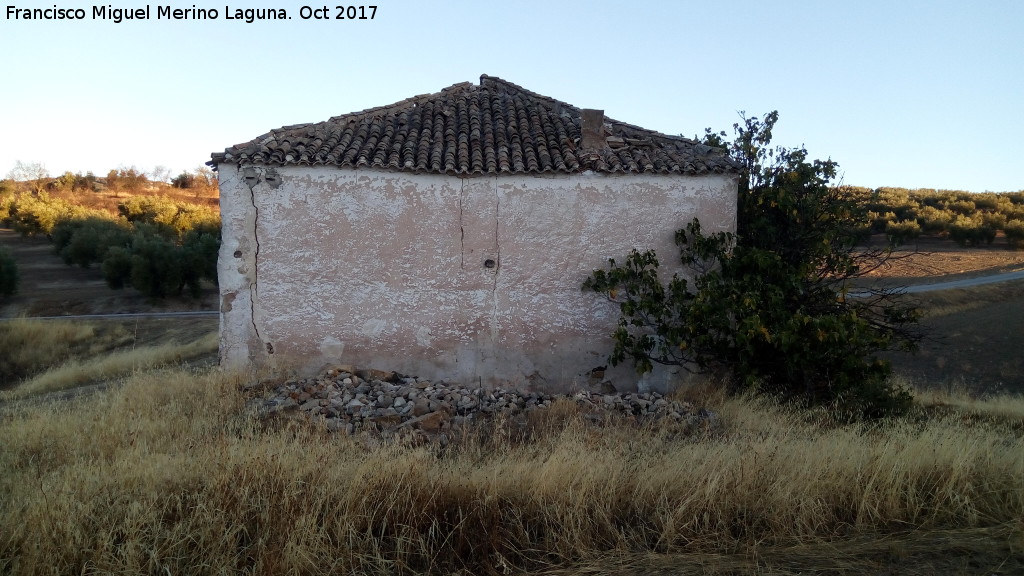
point(975, 340)
point(927, 260)
point(974, 335)
point(49, 287)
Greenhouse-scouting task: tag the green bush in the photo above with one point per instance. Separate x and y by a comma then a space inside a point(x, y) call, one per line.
point(85, 242)
point(38, 214)
point(901, 231)
point(117, 267)
point(159, 267)
point(768, 305)
point(171, 218)
point(6, 204)
point(968, 231)
point(9, 277)
point(1015, 234)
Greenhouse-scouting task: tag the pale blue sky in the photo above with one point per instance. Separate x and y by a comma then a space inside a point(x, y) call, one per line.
point(900, 93)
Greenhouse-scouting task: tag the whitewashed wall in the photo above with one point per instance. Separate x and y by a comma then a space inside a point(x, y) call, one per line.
point(386, 270)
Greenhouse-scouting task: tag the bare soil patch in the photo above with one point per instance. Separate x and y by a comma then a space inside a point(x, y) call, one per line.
point(929, 260)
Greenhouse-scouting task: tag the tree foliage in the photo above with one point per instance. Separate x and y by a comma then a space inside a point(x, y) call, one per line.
point(159, 246)
point(131, 180)
point(769, 307)
point(967, 218)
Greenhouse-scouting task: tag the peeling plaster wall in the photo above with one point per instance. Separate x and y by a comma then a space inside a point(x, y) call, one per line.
point(466, 279)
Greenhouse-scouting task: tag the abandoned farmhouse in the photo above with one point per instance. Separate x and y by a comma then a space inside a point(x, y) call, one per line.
point(447, 235)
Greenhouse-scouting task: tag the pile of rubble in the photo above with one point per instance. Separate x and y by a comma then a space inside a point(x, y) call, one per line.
point(353, 401)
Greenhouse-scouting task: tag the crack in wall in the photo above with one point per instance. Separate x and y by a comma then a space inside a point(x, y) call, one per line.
point(462, 228)
point(256, 255)
point(497, 266)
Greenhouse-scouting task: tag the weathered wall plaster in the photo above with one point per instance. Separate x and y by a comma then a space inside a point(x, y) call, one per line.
point(467, 279)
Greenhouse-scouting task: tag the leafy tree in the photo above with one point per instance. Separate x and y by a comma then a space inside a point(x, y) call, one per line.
point(86, 241)
point(117, 267)
point(8, 273)
point(130, 180)
point(65, 182)
point(1015, 234)
point(157, 266)
point(202, 182)
point(184, 181)
point(770, 307)
point(901, 231)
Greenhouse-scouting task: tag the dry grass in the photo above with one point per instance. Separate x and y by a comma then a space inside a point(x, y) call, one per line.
point(168, 474)
point(964, 300)
point(76, 372)
point(1004, 408)
point(28, 347)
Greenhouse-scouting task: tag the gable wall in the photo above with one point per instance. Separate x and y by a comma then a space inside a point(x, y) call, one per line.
point(386, 270)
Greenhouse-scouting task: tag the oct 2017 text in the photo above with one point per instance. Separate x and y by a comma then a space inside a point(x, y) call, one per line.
point(118, 15)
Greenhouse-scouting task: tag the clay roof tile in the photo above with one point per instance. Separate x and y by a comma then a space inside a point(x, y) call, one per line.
point(496, 127)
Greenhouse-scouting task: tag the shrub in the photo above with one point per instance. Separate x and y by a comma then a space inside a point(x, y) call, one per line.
point(172, 219)
point(900, 232)
point(1015, 234)
point(768, 305)
point(968, 231)
point(89, 239)
point(117, 267)
point(38, 214)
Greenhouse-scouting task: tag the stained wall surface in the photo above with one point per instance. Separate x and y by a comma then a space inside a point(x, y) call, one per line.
point(466, 279)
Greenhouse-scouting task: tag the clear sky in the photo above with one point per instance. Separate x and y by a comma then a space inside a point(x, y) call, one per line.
point(917, 94)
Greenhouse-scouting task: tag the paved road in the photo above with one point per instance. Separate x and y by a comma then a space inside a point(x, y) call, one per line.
point(965, 282)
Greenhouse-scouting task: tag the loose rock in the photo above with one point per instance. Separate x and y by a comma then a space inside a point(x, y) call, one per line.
point(360, 401)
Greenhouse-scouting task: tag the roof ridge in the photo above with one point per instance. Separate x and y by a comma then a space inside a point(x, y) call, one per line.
point(485, 80)
point(409, 102)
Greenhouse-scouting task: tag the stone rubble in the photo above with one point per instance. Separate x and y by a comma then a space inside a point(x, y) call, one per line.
point(353, 401)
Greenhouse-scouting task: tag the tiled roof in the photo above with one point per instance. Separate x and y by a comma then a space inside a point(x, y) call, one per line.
point(495, 127)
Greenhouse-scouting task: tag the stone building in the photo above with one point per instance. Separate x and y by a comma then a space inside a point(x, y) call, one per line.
point(447, 235)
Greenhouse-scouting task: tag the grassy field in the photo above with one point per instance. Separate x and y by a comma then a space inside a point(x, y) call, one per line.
point(44, 356)
point(974, 339)
point(170, 473)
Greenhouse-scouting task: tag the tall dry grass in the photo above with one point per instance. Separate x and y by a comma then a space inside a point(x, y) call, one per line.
point(169, 474)
point(76, 372)
point(40, 356)
point(28, 347)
